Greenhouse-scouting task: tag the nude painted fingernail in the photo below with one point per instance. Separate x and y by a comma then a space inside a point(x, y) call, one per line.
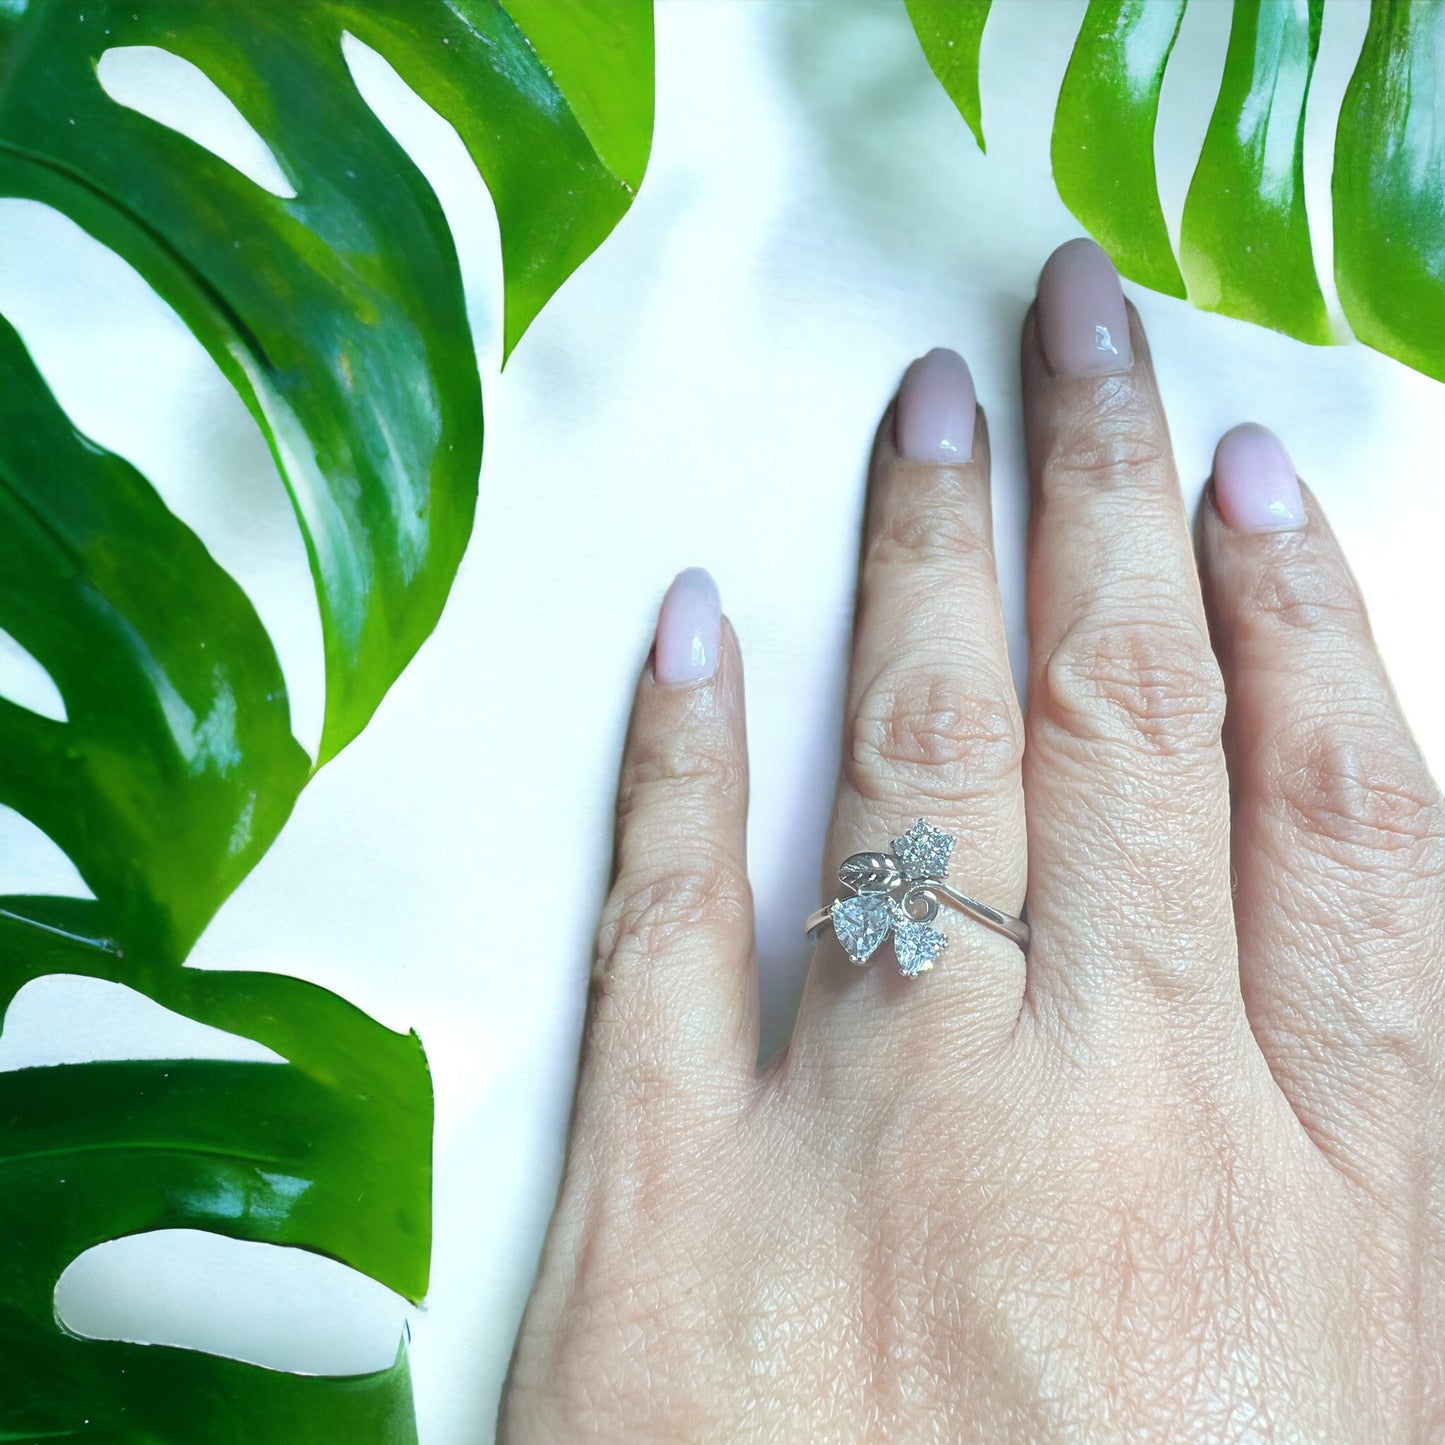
point(1083, 326)
point(936, 409)
point(1255, 486)
point(689, 629)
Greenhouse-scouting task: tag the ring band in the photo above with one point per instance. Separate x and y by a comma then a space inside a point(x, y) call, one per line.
point(887, 889)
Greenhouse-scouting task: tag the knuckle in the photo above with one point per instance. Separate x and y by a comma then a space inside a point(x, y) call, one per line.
point(648, 916)
point(1117, 438)
point(926, 732)
point(1148, 683)
point(1387, 1020)
point(1391, 1022)
point(1364, 795)
point(922, 531)
point(1308, 593)
point(667, 784)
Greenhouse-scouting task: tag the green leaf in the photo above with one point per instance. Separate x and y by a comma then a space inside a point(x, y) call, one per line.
point(1103, 140)
point(1389, 188)
point(553, 100)
point(335, 314)
point(171, 774)
point(176, 766)
point(951, 32)
point(112, 1149)
point(153, 1393)
point(338, 316)
point(1245, 239)
point(600, 57)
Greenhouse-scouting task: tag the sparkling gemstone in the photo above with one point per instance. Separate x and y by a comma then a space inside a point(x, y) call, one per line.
point(862, 923)
point(922, 852)
point(916, 945)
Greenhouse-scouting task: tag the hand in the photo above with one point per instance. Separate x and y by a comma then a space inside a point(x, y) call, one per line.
point(1174, 1175)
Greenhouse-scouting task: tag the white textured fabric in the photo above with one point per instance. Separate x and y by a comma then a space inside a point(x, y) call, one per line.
point(704, 391)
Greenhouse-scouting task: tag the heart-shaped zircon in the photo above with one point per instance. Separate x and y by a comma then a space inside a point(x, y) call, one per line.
point(862, 923)
point(916, 945)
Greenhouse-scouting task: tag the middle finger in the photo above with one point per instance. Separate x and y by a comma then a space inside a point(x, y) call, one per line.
point(1128, 803)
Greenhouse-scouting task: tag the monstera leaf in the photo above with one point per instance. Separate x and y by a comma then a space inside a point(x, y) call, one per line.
point(337, 313)
point(1245, 239)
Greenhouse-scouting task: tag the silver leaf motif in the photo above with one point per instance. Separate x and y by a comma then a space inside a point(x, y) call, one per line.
point(869, 872)
point(916, 946)
point(862, 923)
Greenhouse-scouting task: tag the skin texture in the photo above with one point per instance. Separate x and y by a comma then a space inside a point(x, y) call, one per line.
point(1178, 1174)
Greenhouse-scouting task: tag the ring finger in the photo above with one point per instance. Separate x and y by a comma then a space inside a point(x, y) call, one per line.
point(932, 728)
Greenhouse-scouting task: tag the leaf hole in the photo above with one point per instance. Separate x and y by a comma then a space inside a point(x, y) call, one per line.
point(1342, 34)
point(31, 861)
point(176, 93)
point(438, 152)
point(1186, 104)
point(283, 1308)
point(25, 681)
point(65, 1018)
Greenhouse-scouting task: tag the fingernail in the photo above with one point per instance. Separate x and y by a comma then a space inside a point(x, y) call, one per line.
point(1255, 486)
point(689, 628)
point(1083, 326)
point(934, 418)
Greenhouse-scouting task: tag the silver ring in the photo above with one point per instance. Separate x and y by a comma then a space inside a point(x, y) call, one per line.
point(898, 894)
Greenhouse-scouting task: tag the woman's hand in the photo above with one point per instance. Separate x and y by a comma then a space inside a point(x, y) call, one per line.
point(1175, 1175)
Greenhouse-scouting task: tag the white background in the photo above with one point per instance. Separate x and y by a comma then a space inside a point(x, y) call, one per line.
point(702, 392)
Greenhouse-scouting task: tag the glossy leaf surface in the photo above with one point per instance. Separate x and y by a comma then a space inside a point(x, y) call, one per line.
point(163, 1394)
point(553, 100)
point(951, 32)
point(257, 1151)
point(1245, 237)
point(176, 766)
point(334, 313)
point(1103, 139)
point(338, 315)
point(1389, 188)
point(170, 775)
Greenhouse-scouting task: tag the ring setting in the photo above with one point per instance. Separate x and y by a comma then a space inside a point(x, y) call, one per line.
point(898, 894)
